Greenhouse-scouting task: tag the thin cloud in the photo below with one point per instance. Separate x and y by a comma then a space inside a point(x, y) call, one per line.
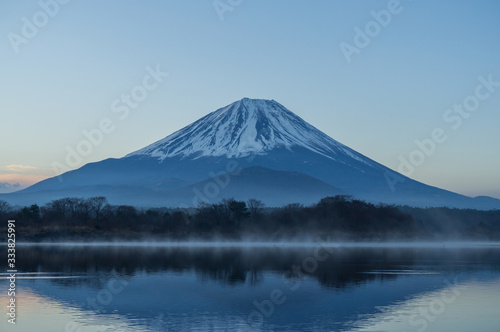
point(7, 185)
point(19, 167)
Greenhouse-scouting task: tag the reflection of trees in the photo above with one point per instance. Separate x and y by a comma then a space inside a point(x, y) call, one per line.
point(231, 266)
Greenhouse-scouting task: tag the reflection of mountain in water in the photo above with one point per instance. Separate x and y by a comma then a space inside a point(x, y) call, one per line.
point(332, 267)
point(205, 289)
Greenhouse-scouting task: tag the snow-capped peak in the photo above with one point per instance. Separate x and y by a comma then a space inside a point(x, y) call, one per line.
point(245, 127)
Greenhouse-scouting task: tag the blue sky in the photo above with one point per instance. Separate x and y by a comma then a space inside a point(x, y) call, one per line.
point(63, 78)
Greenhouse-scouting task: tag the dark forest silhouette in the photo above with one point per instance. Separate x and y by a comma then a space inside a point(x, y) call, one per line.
point(336, 218)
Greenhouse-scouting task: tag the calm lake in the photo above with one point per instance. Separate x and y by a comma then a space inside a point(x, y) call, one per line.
point(266, 287)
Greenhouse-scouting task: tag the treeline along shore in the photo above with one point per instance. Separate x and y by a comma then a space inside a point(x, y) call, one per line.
point(335, 218)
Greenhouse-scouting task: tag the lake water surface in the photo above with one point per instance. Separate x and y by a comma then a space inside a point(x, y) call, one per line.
point(267, 287)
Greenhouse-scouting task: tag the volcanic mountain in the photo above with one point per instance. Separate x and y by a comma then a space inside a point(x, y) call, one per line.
point(249, 149)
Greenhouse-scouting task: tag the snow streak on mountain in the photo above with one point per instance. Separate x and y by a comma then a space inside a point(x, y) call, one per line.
point(245, 127)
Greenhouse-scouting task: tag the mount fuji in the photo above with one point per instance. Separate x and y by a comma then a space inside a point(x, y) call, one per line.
point(251, 148)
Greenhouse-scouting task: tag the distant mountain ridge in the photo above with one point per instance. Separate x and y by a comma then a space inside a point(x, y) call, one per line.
point(266, 151)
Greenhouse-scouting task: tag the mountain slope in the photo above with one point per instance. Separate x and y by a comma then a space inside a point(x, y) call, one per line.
point(246, 135)
point(247, 127)
point(276, 188)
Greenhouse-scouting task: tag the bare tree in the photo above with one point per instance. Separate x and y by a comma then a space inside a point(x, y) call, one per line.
point(97, 205)
point(4, 208)
point(255, 207)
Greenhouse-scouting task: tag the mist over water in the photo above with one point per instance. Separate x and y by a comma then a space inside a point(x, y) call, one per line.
point(266, 286)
